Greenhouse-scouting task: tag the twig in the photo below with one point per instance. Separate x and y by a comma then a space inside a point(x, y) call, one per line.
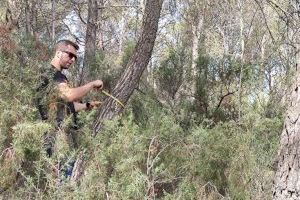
point(222, 98)
point(114, 98)
point(78, 12)
point(265, 20)
point(119, 6)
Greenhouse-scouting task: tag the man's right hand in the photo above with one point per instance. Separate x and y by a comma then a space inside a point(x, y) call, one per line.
point(95, 104)
point(75, 94)
point(97, 84)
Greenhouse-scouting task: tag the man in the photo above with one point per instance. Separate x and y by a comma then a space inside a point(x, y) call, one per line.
point(57, 100)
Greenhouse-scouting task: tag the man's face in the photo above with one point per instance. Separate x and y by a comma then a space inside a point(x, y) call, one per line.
point(68, 55)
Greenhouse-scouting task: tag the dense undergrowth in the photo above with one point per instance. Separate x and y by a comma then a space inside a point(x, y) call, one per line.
point(151, 151)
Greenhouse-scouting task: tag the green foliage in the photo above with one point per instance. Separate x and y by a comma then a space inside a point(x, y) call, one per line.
point(152, 150)
point(128, 51)
point(109, 68)
point(28, 139)
point(229, 156)
point(169, 73)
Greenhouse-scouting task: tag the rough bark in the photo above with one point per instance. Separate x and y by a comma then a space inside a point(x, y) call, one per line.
point(287, 182)
point(135, 67)
point(287, 178)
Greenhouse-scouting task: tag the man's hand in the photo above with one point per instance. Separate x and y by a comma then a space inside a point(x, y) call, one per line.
point(97, 84)
point(95, 104)
point(86, 106)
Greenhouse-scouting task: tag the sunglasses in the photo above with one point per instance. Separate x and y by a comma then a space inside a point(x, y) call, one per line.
point(70, 54)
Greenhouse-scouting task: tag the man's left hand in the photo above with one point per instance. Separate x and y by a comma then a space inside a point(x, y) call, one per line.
point(95, 104)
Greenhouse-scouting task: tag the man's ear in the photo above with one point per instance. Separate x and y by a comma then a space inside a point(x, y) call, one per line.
point(58, 54)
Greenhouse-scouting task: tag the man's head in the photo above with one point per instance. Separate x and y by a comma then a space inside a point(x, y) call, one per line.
point(65, 54)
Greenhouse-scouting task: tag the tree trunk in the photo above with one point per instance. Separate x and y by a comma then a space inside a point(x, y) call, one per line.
point(100, 33)
point(135, 67)
point(90, 38)
point(287, 178)
point(196, 31)
point(33, 18)
point(27, 18)
point(242, 43)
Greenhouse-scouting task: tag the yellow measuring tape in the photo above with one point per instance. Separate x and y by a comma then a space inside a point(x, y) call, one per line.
point(114, 98)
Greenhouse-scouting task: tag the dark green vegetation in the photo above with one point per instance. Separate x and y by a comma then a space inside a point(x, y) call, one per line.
point(162, 146)
point(202, 119)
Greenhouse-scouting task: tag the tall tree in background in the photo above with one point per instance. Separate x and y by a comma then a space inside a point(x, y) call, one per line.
point(31, 16)
point(91, 30)
point(6, 17)
point(136, 65)
point(197, 16)
point(53, 15)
